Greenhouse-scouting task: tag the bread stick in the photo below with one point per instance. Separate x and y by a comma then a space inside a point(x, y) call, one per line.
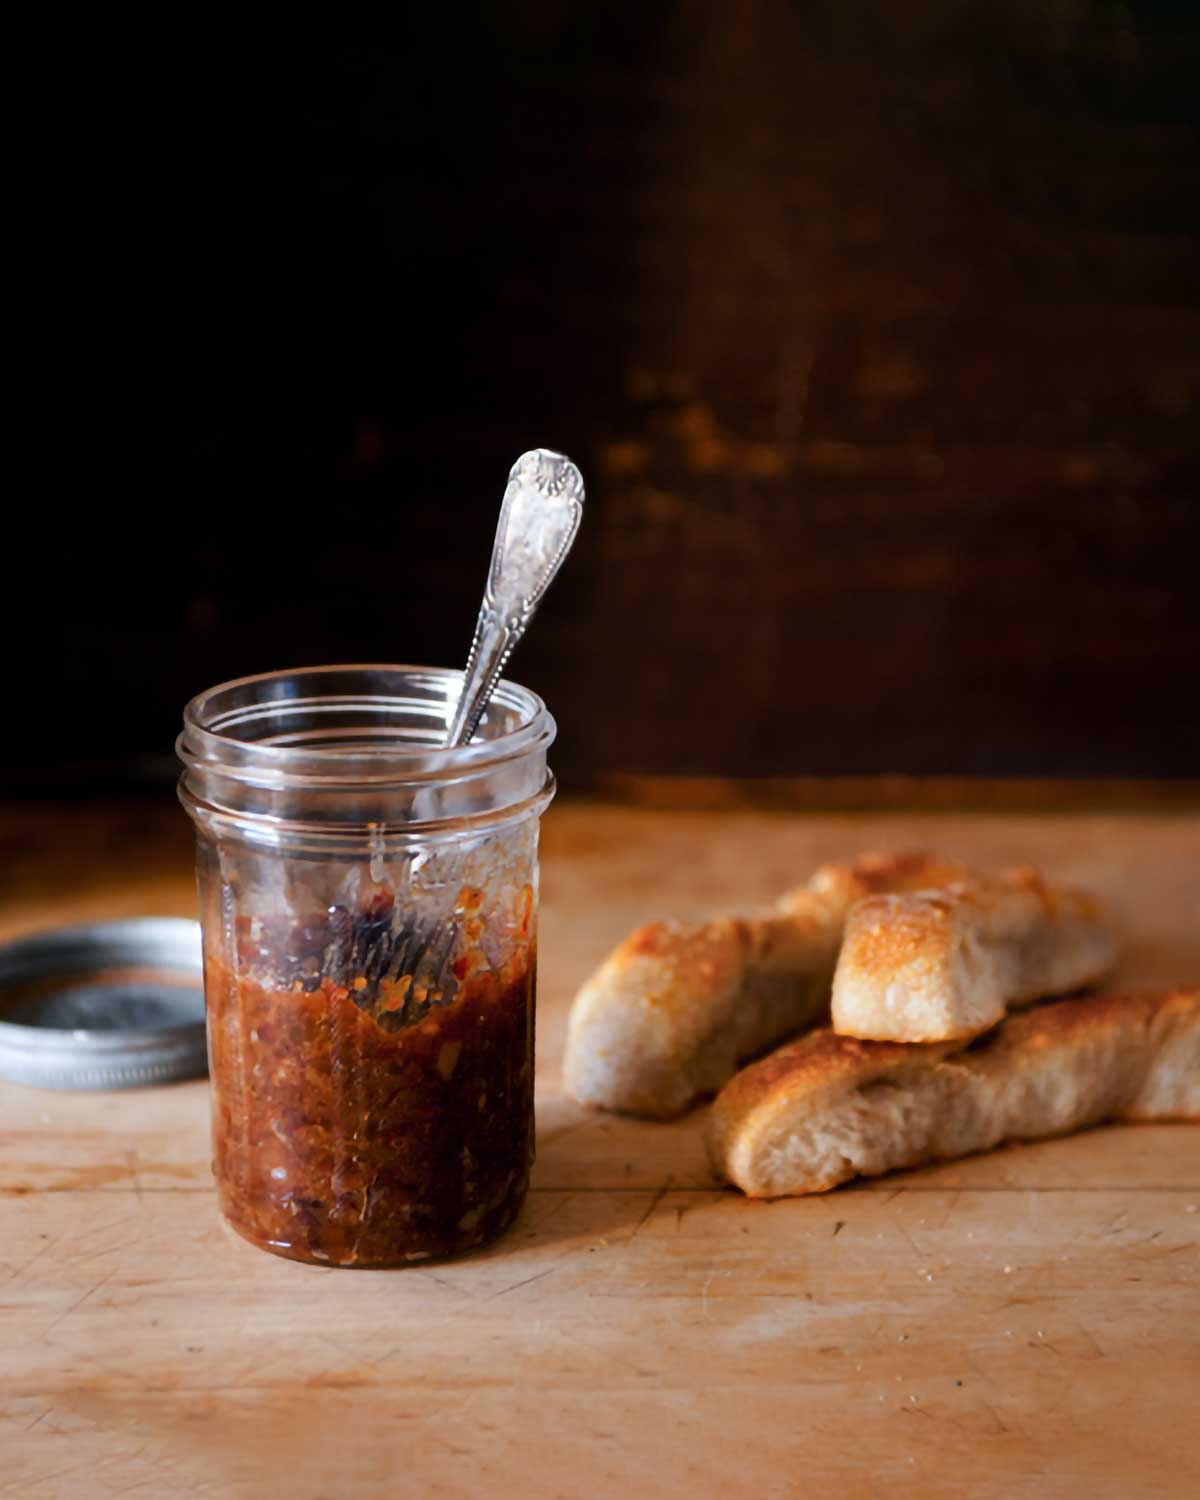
point(678, 1006)
point(939, 965)
point(827, 1108)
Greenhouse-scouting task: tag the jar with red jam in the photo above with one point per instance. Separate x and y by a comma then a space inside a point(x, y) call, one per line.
point(369, 906)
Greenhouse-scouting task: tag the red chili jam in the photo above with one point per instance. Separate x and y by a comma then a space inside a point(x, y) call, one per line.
point(346, 1132)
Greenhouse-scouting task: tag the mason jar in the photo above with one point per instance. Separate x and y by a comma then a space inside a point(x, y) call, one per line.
point(369, 905)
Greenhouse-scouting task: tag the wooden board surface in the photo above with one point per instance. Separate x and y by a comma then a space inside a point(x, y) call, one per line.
point(1023, 1323)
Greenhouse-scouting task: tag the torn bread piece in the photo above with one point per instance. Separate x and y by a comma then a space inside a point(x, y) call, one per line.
point(678, 1006)
point(937, 965)
point(827, 1108)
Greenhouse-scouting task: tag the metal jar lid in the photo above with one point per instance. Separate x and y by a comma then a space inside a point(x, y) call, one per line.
point(105, 1006)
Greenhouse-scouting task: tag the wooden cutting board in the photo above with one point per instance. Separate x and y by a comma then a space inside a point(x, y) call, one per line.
point(1023, 1323)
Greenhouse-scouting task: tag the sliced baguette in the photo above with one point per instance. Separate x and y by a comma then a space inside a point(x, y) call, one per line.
point(939, 965)
point(678, 1006)
point(827, 1108)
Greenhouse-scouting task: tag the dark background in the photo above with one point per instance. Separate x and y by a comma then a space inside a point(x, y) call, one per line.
point(873, 327)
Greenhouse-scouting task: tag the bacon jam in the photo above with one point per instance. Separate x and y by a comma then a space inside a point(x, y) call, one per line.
point(360, 1117)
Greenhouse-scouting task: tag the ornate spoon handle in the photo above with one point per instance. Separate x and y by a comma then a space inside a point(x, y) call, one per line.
point(540, 514)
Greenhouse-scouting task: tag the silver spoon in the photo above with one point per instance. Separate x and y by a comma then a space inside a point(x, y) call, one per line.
point(539, 516)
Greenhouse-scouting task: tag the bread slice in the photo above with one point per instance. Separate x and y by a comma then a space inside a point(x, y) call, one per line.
point(939, 965)
point(827, 1108)
point(678, 1006)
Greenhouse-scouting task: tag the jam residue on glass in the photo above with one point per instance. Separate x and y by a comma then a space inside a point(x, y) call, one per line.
point(362, 1117)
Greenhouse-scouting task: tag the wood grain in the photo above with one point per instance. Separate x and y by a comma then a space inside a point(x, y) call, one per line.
point(1023, 1323)
point(875, 329)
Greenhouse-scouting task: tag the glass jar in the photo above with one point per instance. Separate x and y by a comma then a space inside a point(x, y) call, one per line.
point(369, 906)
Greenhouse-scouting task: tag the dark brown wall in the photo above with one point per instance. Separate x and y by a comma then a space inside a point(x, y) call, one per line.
point(874, 328)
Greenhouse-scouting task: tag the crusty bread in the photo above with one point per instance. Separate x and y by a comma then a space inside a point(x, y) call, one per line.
point(827, 1107)
point(937, 965)
point(675, 1009)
